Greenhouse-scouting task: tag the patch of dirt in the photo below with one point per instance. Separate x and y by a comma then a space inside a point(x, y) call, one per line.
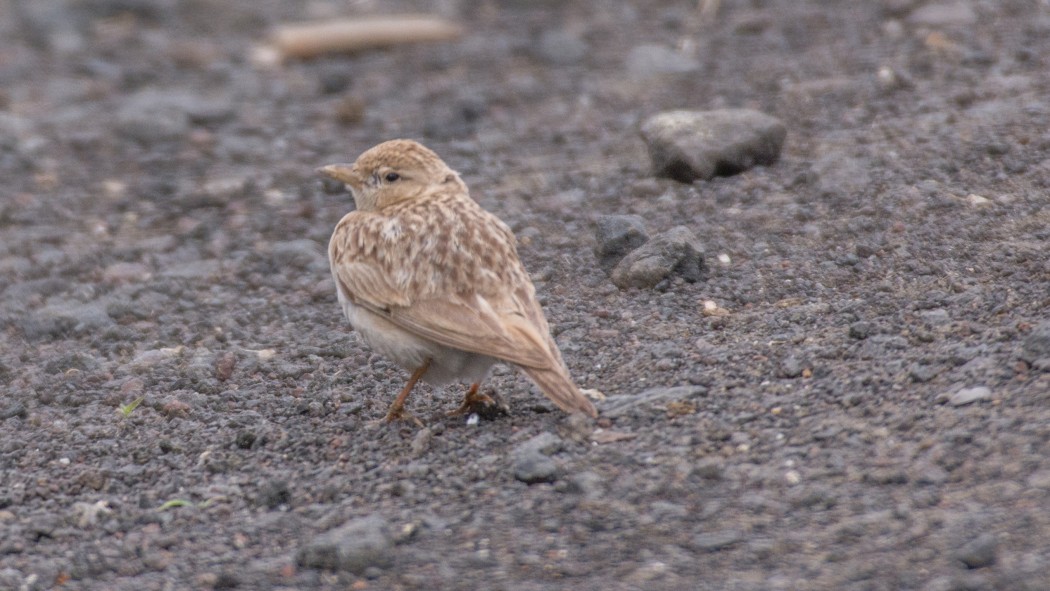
point(162, 237)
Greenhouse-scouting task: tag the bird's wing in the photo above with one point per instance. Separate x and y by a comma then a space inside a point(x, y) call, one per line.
point(472, 324)
point(490, 317)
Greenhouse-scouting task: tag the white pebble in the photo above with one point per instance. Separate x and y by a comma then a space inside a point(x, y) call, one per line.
point(970, 395)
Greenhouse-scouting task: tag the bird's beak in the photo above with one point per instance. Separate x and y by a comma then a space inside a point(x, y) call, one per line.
point(343, 173)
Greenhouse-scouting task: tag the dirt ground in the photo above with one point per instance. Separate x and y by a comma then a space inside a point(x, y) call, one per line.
point(868, 408)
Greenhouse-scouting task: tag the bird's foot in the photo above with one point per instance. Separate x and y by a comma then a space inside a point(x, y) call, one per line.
point(396, 415)
point(488, 405)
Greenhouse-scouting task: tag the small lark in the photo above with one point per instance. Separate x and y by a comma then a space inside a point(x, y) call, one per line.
point(433, 281)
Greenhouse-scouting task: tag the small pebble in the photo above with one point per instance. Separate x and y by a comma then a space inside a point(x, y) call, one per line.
point(979, 552)
point(969, 396)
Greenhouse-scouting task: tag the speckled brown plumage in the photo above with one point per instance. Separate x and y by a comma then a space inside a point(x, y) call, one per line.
point(433, 281)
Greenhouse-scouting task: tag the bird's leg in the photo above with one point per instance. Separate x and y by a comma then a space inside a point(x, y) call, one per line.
point(475, 402)
point(397, 409)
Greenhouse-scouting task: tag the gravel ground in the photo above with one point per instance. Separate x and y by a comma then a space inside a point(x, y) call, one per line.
point(855, 395)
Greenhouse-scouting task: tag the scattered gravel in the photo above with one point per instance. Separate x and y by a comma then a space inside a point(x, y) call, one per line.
point(785, 422)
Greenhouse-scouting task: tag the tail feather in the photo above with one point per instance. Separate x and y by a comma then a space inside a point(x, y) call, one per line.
point(555, 384)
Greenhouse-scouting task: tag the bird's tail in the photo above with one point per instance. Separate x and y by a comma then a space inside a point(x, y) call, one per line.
point(556, 384)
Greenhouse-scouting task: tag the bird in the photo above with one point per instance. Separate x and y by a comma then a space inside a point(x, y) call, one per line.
point(433, 282)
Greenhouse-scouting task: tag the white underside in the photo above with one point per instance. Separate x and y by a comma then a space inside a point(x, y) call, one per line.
point(410, 351)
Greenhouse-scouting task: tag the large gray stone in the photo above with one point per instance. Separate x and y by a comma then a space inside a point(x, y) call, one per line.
point(979, 552)
point(691, 145)
point(531, 461)
point(675, 252)
point(354, 546)
point(534, 468)
point(1035, 349)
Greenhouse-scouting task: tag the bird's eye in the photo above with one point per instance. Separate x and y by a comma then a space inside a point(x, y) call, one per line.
point(392, 176)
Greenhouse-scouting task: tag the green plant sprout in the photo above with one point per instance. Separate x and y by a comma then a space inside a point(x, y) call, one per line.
point(127, 409)
point(175, 503)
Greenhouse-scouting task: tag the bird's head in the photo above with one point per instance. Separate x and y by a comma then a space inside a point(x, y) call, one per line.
point(392, 172)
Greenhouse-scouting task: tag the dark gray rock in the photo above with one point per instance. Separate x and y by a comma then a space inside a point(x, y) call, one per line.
point(16, 409)
point(691, 145)
point(335, 78)
point(531, 460)
point(1035, 349)
point(207, 111)
point(534, 468)
point(354, 546)
point(979, 552)
point(710, 469)
point(675, 252)
point(887, 476)
point(922, 372)
point(616, 236)
point(274, 493)
point(861, 330)
point(791, 367)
